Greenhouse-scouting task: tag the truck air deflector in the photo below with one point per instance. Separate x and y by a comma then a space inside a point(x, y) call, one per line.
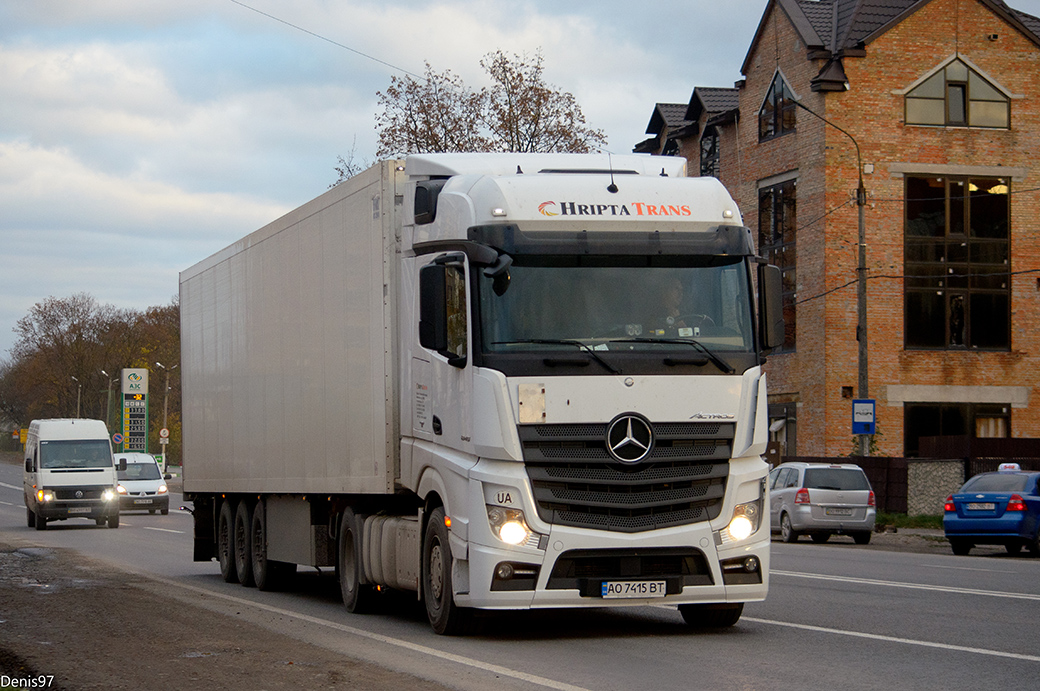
point(728, 241)
point(577, 482)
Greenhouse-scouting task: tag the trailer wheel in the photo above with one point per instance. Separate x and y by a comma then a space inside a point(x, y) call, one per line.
point(267, 574)
point(243, 561)
point(226, 542)
point(445, 616)
point(358, 597)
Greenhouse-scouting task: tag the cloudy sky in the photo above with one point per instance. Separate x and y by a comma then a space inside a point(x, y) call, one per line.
point(137, 138)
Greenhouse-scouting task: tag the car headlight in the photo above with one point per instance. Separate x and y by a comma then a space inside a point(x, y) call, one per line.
point(110, 494)
point(121, 489)
point(508, 525)
point(44, 495)
point(163, 489)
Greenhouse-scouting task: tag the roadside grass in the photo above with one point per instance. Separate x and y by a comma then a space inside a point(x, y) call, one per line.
point(901, 520)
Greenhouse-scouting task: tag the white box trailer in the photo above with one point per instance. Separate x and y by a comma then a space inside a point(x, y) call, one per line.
point(499, 380)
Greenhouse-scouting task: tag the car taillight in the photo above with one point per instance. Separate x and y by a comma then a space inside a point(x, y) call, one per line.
point(1015, 503)
point(871, 500)
point(801, 496)
point(949, 506)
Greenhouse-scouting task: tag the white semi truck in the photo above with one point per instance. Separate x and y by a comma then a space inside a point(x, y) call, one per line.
point(502, 381)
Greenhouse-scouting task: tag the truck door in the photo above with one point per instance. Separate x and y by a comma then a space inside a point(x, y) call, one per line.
point(442, 377)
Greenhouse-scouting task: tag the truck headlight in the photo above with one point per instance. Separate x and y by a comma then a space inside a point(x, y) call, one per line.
point(109, 494)
point(508, 525)
point(44, 495)
point(745, 520)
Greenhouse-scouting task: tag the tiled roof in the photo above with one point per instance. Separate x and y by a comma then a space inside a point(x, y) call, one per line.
point(667, 116)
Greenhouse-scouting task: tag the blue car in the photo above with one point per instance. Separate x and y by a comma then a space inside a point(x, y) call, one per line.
point(1001, 508)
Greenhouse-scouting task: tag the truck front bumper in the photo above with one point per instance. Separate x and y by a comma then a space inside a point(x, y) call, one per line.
point(576, 564)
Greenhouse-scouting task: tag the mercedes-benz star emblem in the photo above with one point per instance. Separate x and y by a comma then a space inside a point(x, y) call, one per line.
point(629, 438)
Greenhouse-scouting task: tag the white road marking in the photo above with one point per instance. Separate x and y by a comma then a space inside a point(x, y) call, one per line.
point(911, 586)
point(894, 639)
point(164, 530)
point(7, 503)
point(965, 568)
point(4, 484)
point(408, 645)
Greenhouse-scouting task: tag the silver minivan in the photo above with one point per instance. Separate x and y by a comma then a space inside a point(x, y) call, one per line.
point(820, 500)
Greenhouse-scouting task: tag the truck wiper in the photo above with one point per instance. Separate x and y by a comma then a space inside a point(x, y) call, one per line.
point(719, 362)
point(564, 341)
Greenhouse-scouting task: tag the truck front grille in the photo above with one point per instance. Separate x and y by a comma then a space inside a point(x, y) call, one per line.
point(576, 482)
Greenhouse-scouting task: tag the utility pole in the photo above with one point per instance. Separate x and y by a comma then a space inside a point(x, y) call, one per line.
point(79, 390)
point(165, 408)
point(108, 402)
point(861, 271)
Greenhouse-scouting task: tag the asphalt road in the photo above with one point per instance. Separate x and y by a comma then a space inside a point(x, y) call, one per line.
point(837, 616)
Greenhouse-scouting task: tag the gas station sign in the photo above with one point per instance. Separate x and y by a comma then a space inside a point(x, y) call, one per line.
point(135, 409)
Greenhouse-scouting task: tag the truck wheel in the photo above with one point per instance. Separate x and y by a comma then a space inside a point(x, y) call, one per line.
point(267, 574)
point(711, 616)
point(445, 616)
point(41, 522)
point(113, 520)
point(243, 560)
point(30, 517)
point(226, 542)
point(358, 597)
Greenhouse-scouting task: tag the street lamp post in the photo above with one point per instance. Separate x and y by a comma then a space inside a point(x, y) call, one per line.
point(79, 390)
point(108, 402)
point(861, 297)
point(165, 407)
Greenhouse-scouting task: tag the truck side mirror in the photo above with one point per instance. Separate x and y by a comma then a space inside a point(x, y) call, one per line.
point(28, 465)
point(770, 306)
point(433, 312)
point(442, 311)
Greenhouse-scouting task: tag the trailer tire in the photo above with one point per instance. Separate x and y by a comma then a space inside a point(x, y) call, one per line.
point(226, 542)
point(358, 597)
point(267, 574)
point(446, 618)
point(243, 561)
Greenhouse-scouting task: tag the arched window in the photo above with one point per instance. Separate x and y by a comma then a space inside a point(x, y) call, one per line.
point(957, 96)
point(776, 116)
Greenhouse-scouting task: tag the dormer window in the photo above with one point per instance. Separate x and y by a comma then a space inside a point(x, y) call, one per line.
point(776, 116)
point(957, 96)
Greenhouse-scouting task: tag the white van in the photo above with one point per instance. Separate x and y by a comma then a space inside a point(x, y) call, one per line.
point(69, 473)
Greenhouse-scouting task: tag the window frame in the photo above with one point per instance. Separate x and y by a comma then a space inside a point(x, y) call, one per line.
point(783, 214)
point(951, 267)
point(779, 119)
point(970, 412)
point(710, 162)
point(953, 83)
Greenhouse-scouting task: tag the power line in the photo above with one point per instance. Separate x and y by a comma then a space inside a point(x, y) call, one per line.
point(905, 276)
point(329, 40)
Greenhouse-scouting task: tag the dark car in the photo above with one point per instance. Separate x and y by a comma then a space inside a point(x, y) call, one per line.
point(1001, 508)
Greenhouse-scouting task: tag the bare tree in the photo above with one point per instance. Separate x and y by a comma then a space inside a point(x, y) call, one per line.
point(519, 112)
point(525, 114)
point(437, 114)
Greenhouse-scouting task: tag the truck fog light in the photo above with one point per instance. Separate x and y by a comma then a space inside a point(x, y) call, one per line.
point(508, 525)
point(504, 571)
point(751, 564)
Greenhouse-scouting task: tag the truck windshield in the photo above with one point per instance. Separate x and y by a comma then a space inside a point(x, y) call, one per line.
point(87, 453)
point(618, 304)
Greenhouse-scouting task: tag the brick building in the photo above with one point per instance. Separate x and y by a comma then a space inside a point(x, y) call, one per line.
point(943, 99)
